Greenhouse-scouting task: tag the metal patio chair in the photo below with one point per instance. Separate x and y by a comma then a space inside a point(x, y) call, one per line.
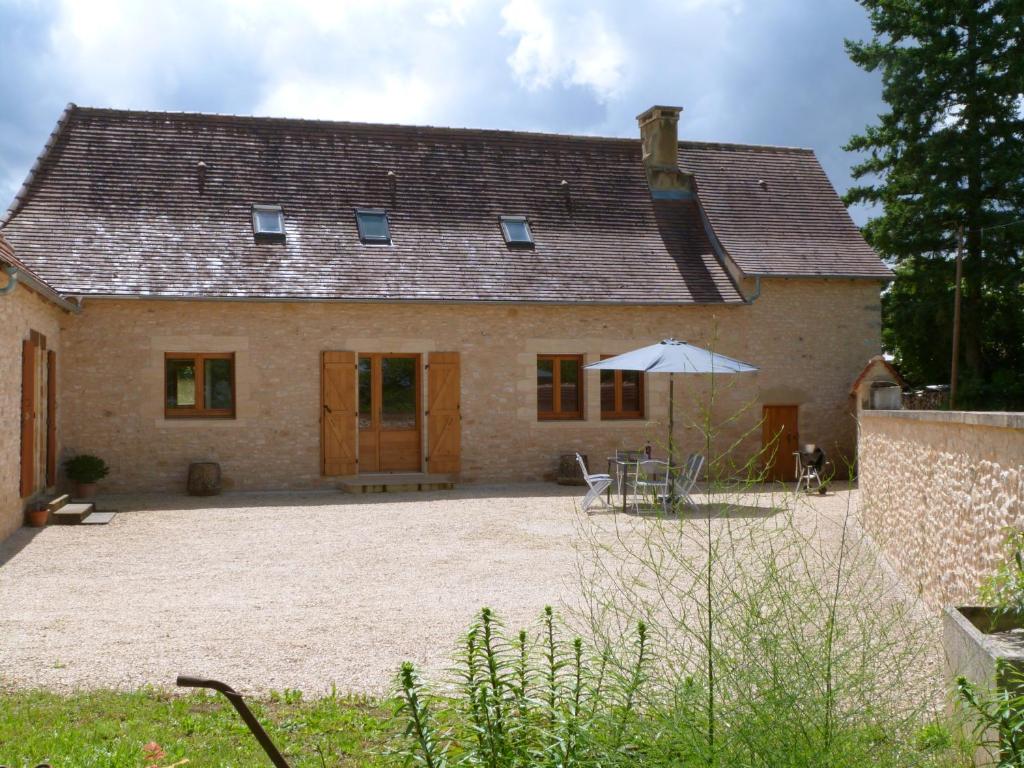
point(651, 482)
point(625, 463)
point(597, 485)
point(687, 479)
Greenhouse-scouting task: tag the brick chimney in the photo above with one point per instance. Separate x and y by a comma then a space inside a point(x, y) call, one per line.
point(659, 137)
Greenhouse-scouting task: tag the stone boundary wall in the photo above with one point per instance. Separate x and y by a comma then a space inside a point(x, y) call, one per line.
point(937, 491)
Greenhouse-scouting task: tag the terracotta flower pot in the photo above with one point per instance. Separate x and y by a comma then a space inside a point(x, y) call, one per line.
point(37, 518)
point(85, 490)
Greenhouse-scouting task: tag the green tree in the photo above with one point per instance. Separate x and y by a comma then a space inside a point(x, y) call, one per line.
point(949, 152)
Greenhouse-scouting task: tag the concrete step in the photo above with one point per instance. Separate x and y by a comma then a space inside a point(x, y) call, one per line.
point(98, 518)
point(54, 504)
point(387, 482)
point(71, 514)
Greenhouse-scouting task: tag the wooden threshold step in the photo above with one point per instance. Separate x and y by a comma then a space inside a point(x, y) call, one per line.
point(383, 482)
point(71, 514)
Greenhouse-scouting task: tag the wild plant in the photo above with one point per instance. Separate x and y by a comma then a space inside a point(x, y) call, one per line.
point(525, 699)
point(997, 715)
point(1004, 589)
point(792, 643)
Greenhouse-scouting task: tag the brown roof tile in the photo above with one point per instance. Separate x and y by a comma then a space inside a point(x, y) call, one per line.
point(115, 208)
point(776, 213)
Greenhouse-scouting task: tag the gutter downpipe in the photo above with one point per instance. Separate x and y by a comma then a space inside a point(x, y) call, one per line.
point(16, 277)
point(12, 279)
point(757, 291)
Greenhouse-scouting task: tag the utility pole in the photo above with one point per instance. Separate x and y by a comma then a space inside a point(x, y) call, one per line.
point(954, 367)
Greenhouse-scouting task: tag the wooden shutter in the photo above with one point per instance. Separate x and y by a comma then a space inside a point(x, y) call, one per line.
point(28, 418)
point(51, 418)
point(444, 427)
point(338, 414)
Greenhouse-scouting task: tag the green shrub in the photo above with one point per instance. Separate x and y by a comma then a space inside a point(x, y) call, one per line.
point(86, 468)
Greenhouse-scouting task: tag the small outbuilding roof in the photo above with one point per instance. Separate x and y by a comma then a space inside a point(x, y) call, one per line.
point(874, 363)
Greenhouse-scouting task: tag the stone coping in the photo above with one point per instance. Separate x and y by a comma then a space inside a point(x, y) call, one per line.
point(1001, 419)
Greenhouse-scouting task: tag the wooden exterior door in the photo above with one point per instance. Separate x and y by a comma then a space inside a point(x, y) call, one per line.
point(444, 421)
point(29, 407)
point(389, 413)
point(51, 418)
point(338, 413)
point(779, 439)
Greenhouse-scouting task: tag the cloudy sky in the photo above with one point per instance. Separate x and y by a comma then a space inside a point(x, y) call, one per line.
point(759, 71)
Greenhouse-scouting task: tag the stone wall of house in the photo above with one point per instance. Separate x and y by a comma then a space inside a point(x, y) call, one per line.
point(21, 312)
point(810, 338)
point(937, 491)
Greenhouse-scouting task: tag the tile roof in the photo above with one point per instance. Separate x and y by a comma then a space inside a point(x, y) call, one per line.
point(114, 207)
point(31, 279)
point(775, 212)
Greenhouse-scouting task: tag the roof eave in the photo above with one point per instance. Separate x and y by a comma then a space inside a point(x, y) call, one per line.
point(397, 300)
point(821, 276)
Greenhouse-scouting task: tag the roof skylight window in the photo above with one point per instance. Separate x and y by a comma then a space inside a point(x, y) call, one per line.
point(516, 230)
point(267, 220)
point(373, 225)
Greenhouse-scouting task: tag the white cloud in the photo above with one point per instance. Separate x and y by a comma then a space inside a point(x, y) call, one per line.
point(578, 50)
point(393, 98)
point(555, 65)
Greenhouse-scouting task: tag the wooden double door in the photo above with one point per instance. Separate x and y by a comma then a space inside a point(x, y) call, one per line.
point(373, 413)
point(389, 412)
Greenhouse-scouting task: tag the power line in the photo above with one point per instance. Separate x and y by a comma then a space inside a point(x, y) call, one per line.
point(999, 226)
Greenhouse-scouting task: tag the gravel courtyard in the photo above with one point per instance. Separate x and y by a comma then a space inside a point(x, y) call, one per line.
point(282, 590)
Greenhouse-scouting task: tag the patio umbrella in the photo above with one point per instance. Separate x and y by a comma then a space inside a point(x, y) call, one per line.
point(672, 356)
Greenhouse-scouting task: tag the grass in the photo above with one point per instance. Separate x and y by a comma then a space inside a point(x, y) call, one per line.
point(112, 729)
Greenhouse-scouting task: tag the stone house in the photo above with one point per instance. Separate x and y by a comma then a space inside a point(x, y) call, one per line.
point(302, 300)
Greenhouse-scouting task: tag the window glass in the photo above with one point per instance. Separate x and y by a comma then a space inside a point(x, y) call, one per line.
point(200, 385)
point(398, 392)
point(516, 230)
point(545, 386)
point(569, 386)
point(365, 392)
point(217, 388)
point(622, 394)
point(373, 226)
point(607, 391)
point(268, 221)
point(181, 383)
point(631, 391)
point(559, 382)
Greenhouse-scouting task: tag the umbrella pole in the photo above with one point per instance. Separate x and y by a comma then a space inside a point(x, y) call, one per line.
point(671, 416)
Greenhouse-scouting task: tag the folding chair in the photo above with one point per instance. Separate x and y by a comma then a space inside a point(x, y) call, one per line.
point(597, 485)
point(687, 479)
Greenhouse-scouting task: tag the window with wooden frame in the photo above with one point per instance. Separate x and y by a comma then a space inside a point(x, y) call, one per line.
point(622, 394)
point(199, 385)
point(559, 387)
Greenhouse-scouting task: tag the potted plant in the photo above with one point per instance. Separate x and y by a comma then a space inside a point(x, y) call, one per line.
point(37, 515)
point(85, 471)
